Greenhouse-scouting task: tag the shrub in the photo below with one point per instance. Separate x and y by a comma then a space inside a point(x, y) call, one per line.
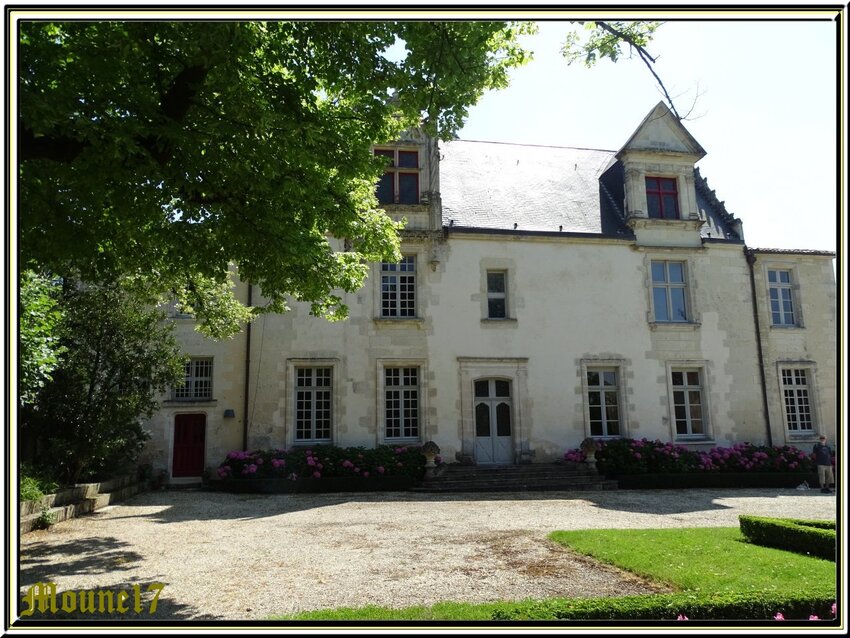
point(324, 461)
point(814, 538)
point(642, 456)
point(35, 484)
point(717, 606)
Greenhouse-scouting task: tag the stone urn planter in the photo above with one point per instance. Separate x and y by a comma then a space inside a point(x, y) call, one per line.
point(589, 447)
point(430, 450)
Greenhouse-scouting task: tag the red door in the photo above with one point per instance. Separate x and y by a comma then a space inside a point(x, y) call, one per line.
point(189, 443)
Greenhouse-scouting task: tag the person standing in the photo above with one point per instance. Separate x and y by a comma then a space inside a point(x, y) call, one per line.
point(823, 459)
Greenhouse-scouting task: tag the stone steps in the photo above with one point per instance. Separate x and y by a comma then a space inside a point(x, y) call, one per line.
point(83, 498)
point(515, 478)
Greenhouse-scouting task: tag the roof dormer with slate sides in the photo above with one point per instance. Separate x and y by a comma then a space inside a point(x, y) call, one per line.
point(660, 194)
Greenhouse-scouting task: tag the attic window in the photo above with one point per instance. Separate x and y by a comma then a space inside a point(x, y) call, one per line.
point(662, 198)
point(400, 183)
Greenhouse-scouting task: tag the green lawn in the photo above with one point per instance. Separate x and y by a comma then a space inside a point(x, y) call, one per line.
point(715, 559)
point(698, 560)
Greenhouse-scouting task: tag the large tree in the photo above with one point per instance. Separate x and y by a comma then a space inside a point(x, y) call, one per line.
point(177, 150)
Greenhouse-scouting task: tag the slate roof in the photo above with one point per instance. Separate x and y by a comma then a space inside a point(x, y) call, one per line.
point(527, 188)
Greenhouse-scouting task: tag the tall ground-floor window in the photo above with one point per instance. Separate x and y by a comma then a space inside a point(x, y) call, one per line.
point(688, 401)
point(401, 402)
point(313, 401)
point(797, 400)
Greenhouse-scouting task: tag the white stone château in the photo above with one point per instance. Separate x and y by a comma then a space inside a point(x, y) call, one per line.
point(546, 295)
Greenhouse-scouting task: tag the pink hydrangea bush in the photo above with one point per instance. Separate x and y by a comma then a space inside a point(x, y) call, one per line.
point(641, 456)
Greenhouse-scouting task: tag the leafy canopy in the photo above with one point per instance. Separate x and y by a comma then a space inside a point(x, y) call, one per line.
point(181, 151)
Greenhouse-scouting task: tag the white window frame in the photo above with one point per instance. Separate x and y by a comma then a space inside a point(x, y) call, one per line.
point(790, 287)
point(668, 286)
point(391, 270)
point(291, 390)
point(189, 391)
point(421, 392)
point(809, 371)
point(315, 391)
point(610, 365)
point(701, 368)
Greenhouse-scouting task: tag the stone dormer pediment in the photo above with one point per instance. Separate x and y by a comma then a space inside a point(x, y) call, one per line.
point(662, 133)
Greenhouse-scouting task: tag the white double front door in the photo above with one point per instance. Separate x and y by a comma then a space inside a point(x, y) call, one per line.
point(493, 425)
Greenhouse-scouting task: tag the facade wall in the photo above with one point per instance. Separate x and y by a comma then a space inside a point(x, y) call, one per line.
point(573, 304)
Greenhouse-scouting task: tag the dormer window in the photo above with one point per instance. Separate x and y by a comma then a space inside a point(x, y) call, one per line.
point(400, 183)
point(662, 198)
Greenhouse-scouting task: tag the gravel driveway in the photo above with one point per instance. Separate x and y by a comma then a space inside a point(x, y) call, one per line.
point(246, 557)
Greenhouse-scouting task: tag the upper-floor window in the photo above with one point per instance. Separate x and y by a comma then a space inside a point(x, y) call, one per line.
point(197, 382)
point(400, 182)
point(398, 288)
point(662, 198)
point(669, 291)
point(780, 289)
point(497, 294)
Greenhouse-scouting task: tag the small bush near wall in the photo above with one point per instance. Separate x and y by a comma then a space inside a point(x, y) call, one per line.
point(618, 457)
point(324, 462)
point(813, 538)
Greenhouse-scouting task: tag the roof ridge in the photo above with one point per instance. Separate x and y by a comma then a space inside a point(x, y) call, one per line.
point(574, 148)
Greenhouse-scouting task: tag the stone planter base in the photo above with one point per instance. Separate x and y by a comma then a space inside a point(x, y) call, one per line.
point(786, 480)
point(313, 486)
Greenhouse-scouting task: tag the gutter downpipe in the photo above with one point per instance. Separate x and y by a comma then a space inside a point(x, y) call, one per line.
point(247, 375)
point(750, 256)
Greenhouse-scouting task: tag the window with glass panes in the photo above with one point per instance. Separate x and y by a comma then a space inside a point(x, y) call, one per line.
point(398, 288)
point(401, 403)
point(197, 381)
point(669, 291)
point(603, 402)
point(400, 182)
point(688, 402)
point(497, 295)
point(795, 392)
point(781, 297)
point(313, 400)
point(662, 198)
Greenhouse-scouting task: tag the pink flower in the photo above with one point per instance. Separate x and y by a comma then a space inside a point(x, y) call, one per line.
point(813, 617)
point(779, 616)
point(834, 610)
point(357, 470)
point(682, 617)
point(365, 474)
point(310, 461)
point(381, 469)
point(317, 475)
point(637, 455)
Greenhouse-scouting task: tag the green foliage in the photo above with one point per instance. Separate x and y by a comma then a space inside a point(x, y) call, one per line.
point(119, 353)
point(324, 461)
point(179, 150)
point(45, 519)
point(606, 40)
point(34, 483)
point(812, 538)
point(40, 350)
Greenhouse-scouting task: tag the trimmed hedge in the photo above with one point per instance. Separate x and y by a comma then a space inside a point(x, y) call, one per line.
point(721, 606)
point(812, 538)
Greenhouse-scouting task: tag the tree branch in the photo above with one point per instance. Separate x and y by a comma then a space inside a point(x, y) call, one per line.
point(648, 60)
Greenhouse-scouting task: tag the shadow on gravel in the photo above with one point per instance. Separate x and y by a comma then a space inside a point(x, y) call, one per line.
point(176, 506)
point(40, 561)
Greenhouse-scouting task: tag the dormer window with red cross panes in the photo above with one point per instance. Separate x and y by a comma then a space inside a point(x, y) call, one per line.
point(400, 183)
point(662, 198)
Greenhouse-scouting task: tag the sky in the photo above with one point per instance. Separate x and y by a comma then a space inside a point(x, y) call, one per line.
point(765, 113)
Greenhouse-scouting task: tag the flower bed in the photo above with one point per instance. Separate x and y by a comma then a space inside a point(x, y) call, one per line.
point(321, 468)
point(641, 463)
